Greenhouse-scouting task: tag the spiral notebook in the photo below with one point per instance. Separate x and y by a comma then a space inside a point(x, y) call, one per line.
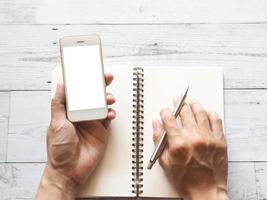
point(140, 94)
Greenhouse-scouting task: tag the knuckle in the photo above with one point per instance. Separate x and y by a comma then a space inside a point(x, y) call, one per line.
point(52, 126)
point(171, 129)
point(167, 118)
point(199, 111)
point(222, 136)
point(156, 137)
point(58, 126)
point(218, 120)
point(215, 117)
point(177, 148)
point(222, 145)
point(185, 108)
point(56, 104)
point(211, 144)
point(198, 143)
point(203, 120)
point(54, 101)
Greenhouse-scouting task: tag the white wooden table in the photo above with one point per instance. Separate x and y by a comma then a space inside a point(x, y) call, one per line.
point(231, 34)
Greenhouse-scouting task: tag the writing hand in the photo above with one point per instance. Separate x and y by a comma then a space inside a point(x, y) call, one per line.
point(195, 157)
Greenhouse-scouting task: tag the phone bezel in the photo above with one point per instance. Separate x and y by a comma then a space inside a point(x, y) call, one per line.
point(87, 114)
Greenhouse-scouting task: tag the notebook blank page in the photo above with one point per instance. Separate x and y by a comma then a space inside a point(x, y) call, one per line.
point(112, 176)
point(161, 85)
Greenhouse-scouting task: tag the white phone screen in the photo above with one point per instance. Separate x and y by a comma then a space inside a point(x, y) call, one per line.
point(84, 77)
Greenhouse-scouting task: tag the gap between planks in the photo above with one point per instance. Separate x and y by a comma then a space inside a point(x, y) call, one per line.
point(243, 58)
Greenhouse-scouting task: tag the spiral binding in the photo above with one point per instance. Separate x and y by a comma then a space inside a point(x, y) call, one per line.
point(137, 140)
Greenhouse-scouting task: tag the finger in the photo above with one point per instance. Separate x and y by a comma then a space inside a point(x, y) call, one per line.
point(187, 117)
point(110, 99)
point(201, 115)
point(157, 131)
point(58, 110)
point(164, 160)
point(169, 122)
point(110, 116)
point(94, 130)
point(108, 78)
point(215, 123)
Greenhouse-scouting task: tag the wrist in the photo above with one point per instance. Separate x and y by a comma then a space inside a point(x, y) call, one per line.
point(54, 185)
point(210, 193)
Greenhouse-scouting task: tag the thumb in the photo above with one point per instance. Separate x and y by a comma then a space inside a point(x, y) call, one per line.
point(157, 131)
point(58, 110)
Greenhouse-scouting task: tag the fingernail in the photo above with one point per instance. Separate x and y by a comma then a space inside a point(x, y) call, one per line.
point(111, 97)
point(156, 125)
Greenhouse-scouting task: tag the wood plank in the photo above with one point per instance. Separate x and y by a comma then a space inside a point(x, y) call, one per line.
point(261, 180)
point(139, 11)
point(241, 181)
point(246, 125)
point(29, 119)
point(240, 49)
point(245, 122)
point(20, 180)
point(4, 115)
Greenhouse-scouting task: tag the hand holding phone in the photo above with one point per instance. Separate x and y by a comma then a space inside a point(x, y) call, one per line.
point(83, 76)
point(73, 149)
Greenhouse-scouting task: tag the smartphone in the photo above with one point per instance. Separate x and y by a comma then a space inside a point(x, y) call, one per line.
point(83, 75)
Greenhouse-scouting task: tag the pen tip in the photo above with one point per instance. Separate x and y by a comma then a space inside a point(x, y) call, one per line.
point(187, 88)
point(149, 166)
point(186, 91)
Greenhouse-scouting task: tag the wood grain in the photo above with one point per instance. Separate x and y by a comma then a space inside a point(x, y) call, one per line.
point(246, 133)
point(241, 185)
point(261, 180)
point(138, 11)
point(240, 49)
point(246, 125)
point(4, 114)
point(29, 119)
point(20, 180)
point(229, 34)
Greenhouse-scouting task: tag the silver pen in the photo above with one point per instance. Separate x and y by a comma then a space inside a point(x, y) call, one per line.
point(162, 142)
